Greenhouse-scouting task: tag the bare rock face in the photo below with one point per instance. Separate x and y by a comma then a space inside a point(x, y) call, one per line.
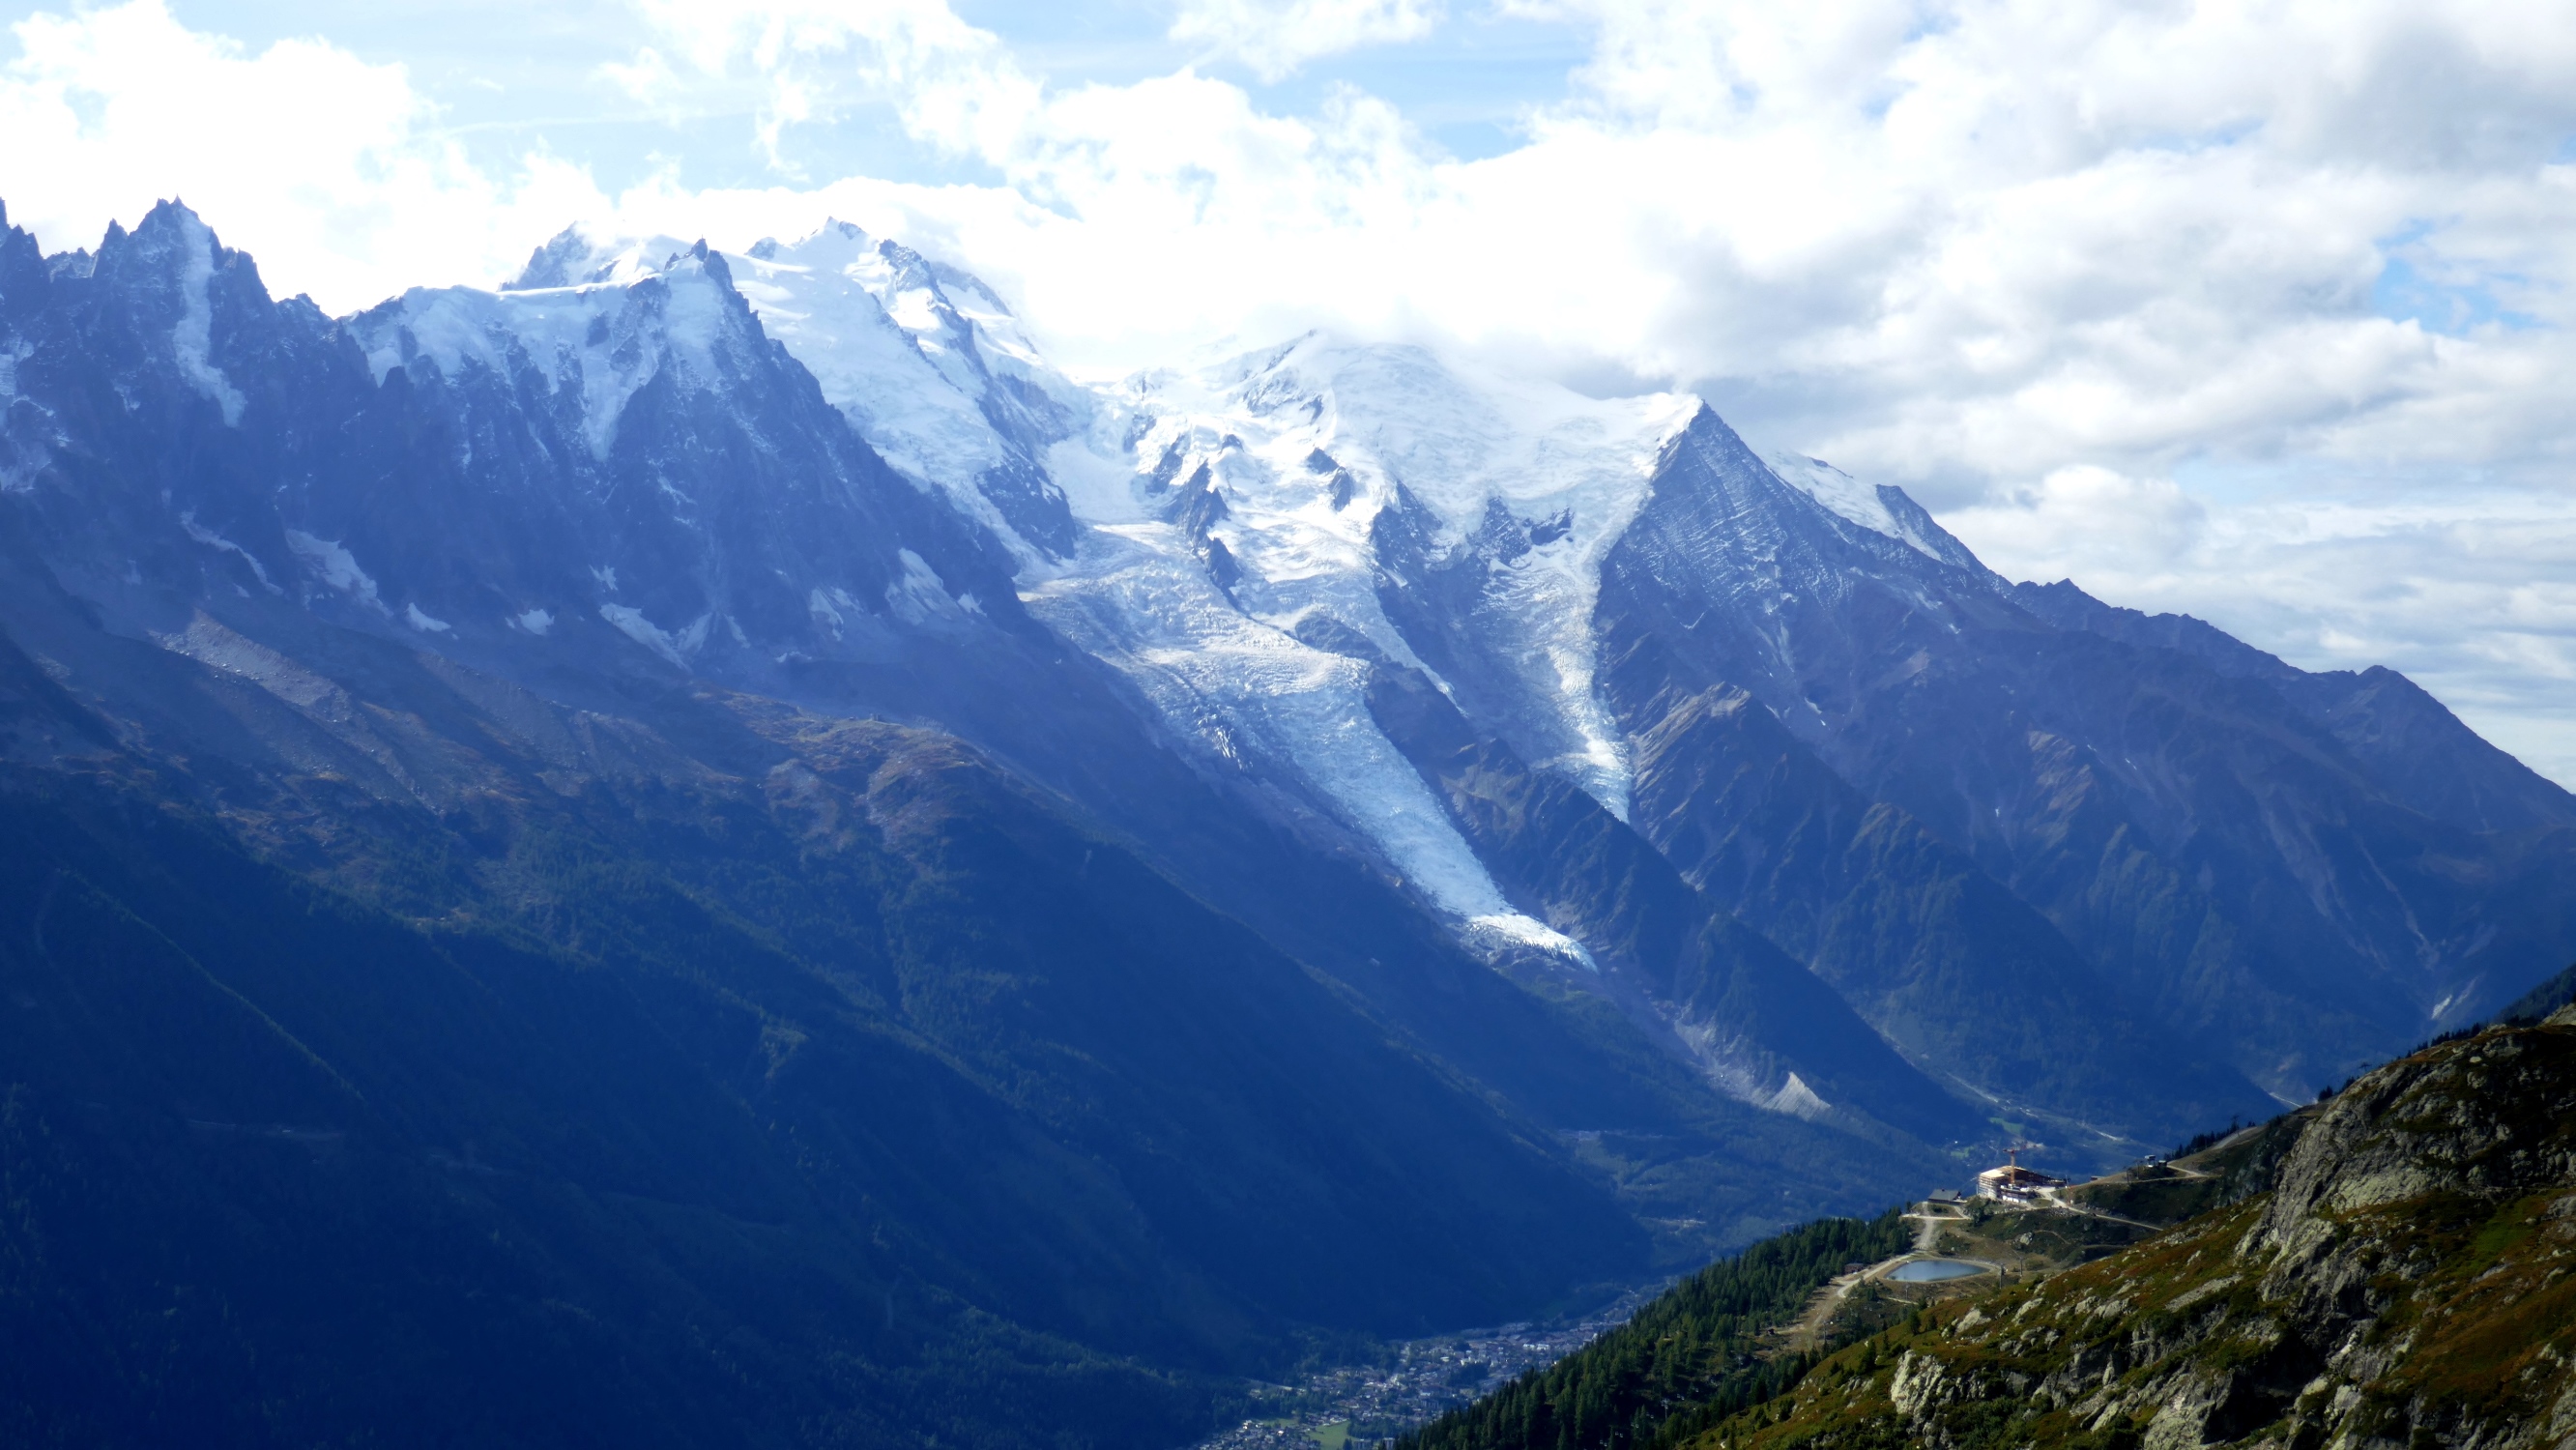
point(2406, 1281)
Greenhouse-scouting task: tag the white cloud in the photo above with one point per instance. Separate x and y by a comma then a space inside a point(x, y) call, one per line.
point(1274, 39)
point(1969, 245)
point(2469, 591)
point(325, 167)
point(811, 59)
point(2089, 518)
point(649, 77)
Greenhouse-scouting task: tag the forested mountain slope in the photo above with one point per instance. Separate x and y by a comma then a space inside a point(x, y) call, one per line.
point(1695, 1354)
point(868, 1090)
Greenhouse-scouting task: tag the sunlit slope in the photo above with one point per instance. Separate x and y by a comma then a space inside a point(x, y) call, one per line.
point(2405, 1280)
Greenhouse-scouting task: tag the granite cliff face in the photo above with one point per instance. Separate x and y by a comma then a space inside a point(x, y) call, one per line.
point(2408, 1278)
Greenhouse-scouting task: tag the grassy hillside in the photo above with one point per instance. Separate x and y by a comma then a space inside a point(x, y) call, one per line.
point(2404, 1280)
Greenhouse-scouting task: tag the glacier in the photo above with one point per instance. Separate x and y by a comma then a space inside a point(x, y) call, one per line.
point(1226, 527)
point(933, 370)
point(1232, 563)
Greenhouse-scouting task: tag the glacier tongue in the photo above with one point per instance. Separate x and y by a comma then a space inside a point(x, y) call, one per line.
point(1232, 568)
point(1282, 710)
point(1571, 471)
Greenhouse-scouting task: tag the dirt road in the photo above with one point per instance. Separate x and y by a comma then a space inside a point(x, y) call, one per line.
point(1809, 1327)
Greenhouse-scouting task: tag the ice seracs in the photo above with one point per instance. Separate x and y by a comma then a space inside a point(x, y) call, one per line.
point(1313, 455)
point(1281, 710)
point(1238, 559)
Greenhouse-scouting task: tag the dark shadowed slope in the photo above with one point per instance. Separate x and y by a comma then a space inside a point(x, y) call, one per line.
point(712, 1105)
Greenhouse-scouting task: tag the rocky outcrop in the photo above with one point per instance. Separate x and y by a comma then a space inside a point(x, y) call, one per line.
point(2406, 1281)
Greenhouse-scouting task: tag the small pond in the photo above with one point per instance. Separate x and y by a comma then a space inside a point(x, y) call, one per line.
point(1933, 1271)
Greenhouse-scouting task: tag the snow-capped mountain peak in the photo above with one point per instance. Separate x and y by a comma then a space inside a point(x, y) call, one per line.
point(1586, 675)
point(1332, 469)
point(930, 366)
point(1452, 437)
point(926, 361)
point(624, 320)
point(1880, 508)
point(574, 257)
